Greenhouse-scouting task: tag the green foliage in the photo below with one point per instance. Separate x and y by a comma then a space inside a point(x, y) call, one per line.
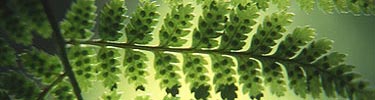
point(62, 91)
point(111, 20)
point(224, 76)
point(308, 5)
point(342, 6)
point(250, 77)
point(210, 25)
point(268, 32)
point(18, 85)
point(82, 60)
point(166, 71)
point(273, 76)
point(41, 65)
point(19, 23)
point(108, 68)
point(217, 41)
point(240, 21)
point(193, 68)
point(142, 23)
point(7, 55)
point(79, 21)
point(113, 95)
point(135, 67)
point(175, 26)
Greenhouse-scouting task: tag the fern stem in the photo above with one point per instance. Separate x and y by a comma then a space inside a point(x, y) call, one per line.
point(194, 50)
point(49, 87)
point(57, 36)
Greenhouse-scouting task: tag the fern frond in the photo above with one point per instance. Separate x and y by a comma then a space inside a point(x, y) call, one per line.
point(294, 42)
point(108, 68)
point(19, 23)
point(41, 65)
point(342, 6)
point(211, 25)
point(12, 26)
point(241, 18)
point(112, 95)
point(224, 79)
point(79, 20)
point(261, 4)
point(193, 68)
point(282, 4)
point(18, 85)
point(308, 65)
point(82, 58)
point(176, 26)
point(135, 68)
point(275, 59)
point(273, 76)
point(166, 71)
point(250, 77)
point(326, 5)
point(307, 5)
point(142, 23)
point(269, 31)
point(63, 90)
point(111, 20)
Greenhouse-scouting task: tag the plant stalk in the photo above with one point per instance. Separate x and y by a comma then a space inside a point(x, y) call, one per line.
point(57, 36)
point(49, 87)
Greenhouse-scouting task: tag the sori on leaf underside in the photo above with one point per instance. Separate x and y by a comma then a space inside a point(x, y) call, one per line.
point(224, 39)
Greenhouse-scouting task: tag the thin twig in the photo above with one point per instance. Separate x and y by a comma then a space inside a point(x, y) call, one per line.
point(57, 36)
point(49, 87)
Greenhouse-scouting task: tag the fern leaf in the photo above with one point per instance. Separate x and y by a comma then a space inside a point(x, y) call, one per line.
point(135, 67)
point(41, 65)
point(297, 79)
point(224, 79)
point(309, 65)
point(282, 4)
point(31, 11)
point(273, 75)
point(326, 5)
point(176, 26)
point(18, 85)
point(142, 23)
point(193, 68)
point(111, 20)
point(307, 5)
point(109, 66)
point(294, 42)
point(240, 21)
point(166, 71)
point(343, 6)
point(112, 95)
point(314, 50)
point(83, 62)
point(262, 4)
point(211, 25)
point(63, 90)
point(250, 77)
point(79, 21)
point(12, 25)
point(22, 18)
point(269, 31)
